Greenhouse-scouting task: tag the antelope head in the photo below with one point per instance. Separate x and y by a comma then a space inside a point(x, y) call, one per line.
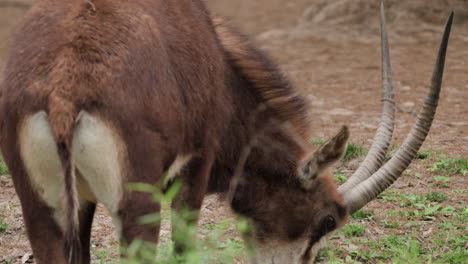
point(291, 223)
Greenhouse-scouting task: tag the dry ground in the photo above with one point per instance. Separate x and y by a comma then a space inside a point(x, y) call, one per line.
point(330, 49)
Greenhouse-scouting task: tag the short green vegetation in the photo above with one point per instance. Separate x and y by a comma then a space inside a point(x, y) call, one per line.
point(354, 151)
point(441, 181)
point(362, 214)
point(3, 167)
point(353, 230)
point(3, 225)
point(437, 197)
point(317, 142)
point(450, 166)
point(341, 177)
point(102, 256)
point(423, 154)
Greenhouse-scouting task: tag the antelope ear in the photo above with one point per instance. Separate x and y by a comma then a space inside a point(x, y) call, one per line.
point(327, 155)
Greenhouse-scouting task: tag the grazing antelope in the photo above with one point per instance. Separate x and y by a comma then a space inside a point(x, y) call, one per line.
point(101, 93)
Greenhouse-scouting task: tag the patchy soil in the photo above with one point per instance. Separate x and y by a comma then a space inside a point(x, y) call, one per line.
point(330, 50)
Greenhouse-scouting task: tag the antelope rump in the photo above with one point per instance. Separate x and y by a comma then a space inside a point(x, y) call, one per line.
point(101, 93)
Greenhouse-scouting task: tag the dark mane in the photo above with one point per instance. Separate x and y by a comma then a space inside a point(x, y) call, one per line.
point(272, 86)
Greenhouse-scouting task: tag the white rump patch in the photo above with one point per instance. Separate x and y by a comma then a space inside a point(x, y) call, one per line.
point(39, 153)
point(98, 155)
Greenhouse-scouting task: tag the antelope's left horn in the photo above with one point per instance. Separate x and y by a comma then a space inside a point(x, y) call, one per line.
point(358, 193)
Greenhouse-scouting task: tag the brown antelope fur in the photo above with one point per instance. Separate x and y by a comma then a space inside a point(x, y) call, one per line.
point(270, 191)
point(160, 80)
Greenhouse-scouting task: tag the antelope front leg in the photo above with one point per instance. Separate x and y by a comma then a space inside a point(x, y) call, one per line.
point(188, 202)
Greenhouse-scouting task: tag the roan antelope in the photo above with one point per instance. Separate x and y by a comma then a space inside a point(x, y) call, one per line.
point(101, 93)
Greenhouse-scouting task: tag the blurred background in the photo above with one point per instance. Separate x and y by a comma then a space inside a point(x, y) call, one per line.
point(324, 18)
point(258, 16)
point(335, 19)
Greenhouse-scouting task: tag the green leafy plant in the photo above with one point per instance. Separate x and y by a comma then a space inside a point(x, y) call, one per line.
point(213, 248)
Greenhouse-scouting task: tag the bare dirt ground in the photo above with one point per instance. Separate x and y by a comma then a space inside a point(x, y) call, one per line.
point(330, 50)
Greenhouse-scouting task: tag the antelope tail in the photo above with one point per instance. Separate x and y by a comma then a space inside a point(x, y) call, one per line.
point(62, 116)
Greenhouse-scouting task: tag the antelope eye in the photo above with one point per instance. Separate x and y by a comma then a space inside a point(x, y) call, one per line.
point(330, 222)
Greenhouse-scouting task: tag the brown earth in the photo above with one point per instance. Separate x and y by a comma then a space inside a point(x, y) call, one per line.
point(330, 49)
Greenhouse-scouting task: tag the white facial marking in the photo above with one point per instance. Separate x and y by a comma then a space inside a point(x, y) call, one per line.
point(280, 252)
point(39, 153)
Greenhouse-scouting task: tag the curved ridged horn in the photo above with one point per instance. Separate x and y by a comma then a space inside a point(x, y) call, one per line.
point(383, 135)
point(366, 191)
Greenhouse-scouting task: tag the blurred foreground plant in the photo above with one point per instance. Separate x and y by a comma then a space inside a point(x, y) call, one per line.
point(212, 248)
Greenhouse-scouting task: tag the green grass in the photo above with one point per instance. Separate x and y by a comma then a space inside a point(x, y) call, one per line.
point(446, 225)
point(419, 207)
point(437, 197)
point(455, 241)
point(409, 252)
point(441, 181)
point(341, 177)
point(354, 151)
point(362, 214)
point(3, 225)
point(421, 230)
point(391, 224)
point(398, 249)
point(414, 228)
point(353, 230)
point(450, 166)
point(460, 191)
point(423, 154)
point(3, 167)
point(317, 142)
point(102, 255)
